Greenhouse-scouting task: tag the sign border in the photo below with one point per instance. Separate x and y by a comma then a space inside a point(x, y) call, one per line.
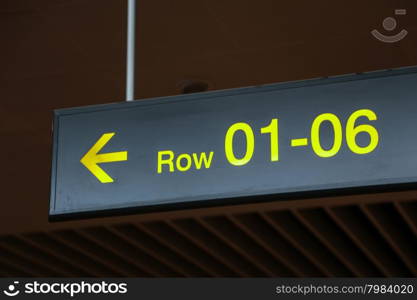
point(233, 200)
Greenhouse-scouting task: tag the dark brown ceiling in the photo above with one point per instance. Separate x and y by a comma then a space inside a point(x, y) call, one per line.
point(361, 236)
point(64, 53)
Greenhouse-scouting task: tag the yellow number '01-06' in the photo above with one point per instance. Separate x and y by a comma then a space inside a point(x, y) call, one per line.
point(315, 135)
point(272, 129)
point(250, 144)
point(352, 132)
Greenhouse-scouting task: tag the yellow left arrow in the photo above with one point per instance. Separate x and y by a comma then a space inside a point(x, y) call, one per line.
point(91, 159)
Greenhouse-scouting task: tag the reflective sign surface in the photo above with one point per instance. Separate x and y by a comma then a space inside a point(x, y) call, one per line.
point(326, 134)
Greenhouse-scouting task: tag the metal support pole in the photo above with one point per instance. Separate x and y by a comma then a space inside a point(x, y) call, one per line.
point(130, 55)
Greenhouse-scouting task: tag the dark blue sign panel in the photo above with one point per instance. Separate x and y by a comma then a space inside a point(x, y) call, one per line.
point(326, 134)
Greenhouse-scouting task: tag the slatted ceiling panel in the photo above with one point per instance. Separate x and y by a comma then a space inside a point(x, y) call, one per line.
point(28, 266)
point(184, 247)
point(7, 269)
point(130, 253)
point(323, 237)
point(164, 253)
point(73, 266)
point(15, 253)
point(279, 248)
point(248, 266)
point(65, 238)
point(296, 226)
point(398, 267)
point(224, 267)
point(235, 239)
point(338, 217)
point(123, 233)
point(14, 269)
point(199, 269)
point(304, 262)
point(105, 254)
point(214, 265)
point(53, 266)
point(196, 232)
point(173, 241)
point(343, 238)
point(280, 267)
point(288, 248)
point(298, 245)
point(396, 231)
point(117, 249)
point(370, 241)
point(408, 212)
point(64, 251)
point(340, 244)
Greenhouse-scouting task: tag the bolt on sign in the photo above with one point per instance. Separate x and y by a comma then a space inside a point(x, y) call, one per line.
point(337, 134)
